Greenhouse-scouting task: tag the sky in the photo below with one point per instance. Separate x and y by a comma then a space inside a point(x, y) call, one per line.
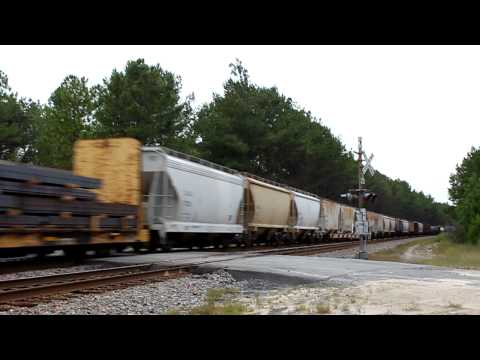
point(416, 107)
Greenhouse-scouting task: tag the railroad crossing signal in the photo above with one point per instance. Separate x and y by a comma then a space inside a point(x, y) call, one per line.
point(362, 194)
point(370, 196)
point(368, 165)
point(349, 196)
point(362, 178)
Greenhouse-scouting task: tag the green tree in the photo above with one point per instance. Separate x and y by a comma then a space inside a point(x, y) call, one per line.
point(259, 130)
point(469, 166)
point(17, 119)
point(465, 194)
point(144, 102)
point(67, 118)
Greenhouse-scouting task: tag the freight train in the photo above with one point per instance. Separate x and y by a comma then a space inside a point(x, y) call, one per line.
point(192, 202)
point(184, 201)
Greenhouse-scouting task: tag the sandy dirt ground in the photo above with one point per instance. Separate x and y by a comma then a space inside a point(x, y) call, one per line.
point(419, 252)
point(386, 296)
point(393, 296)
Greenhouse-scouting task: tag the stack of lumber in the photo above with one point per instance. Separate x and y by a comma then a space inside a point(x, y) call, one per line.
point(45, 199)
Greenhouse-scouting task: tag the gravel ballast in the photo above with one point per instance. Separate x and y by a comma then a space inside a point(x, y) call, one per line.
point(180, 294)
point(50, 271)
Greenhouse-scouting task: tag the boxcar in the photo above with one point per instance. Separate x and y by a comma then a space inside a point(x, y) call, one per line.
point(187, 200)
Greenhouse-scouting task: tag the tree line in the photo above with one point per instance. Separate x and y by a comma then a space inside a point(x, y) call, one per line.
point(465, 194)
point(248, 127)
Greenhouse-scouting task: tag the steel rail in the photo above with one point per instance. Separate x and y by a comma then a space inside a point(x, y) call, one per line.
point(32, 287)
point(27, 288)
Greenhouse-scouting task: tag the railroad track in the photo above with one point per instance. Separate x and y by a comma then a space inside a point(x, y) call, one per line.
point(308, 249)
point(32, 290)
point(314, 248)
point(305, 250)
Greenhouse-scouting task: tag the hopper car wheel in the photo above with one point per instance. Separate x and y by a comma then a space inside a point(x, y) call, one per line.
point(225, 243)
point(276, 239)
point(250, 239)
point(270, 239)
point(306, 238)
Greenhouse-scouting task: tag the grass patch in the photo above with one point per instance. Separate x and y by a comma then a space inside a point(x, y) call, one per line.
point(214, 295)
point(173, 312)
point(411, 307)
point(445, 253)
point(322, 309)
point(213, 308)
point(395, 253)
point(224, 309)
point(301, 308)
point(454, 305)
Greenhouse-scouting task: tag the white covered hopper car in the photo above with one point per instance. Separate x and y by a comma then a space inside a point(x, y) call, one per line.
point(187, 201)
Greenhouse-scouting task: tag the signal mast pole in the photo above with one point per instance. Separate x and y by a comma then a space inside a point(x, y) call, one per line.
point(361, 193)
point(363, 254)
point(360, 174)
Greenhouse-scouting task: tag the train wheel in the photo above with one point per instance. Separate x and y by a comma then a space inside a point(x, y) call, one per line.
point(277, 237)
point(41, 255)
point(102, 252)
point(226, 243)
point(75, 254)
point(136, 248)
point(307, 238)
point(268, 238)
point(166, 247)
point(287, 239)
